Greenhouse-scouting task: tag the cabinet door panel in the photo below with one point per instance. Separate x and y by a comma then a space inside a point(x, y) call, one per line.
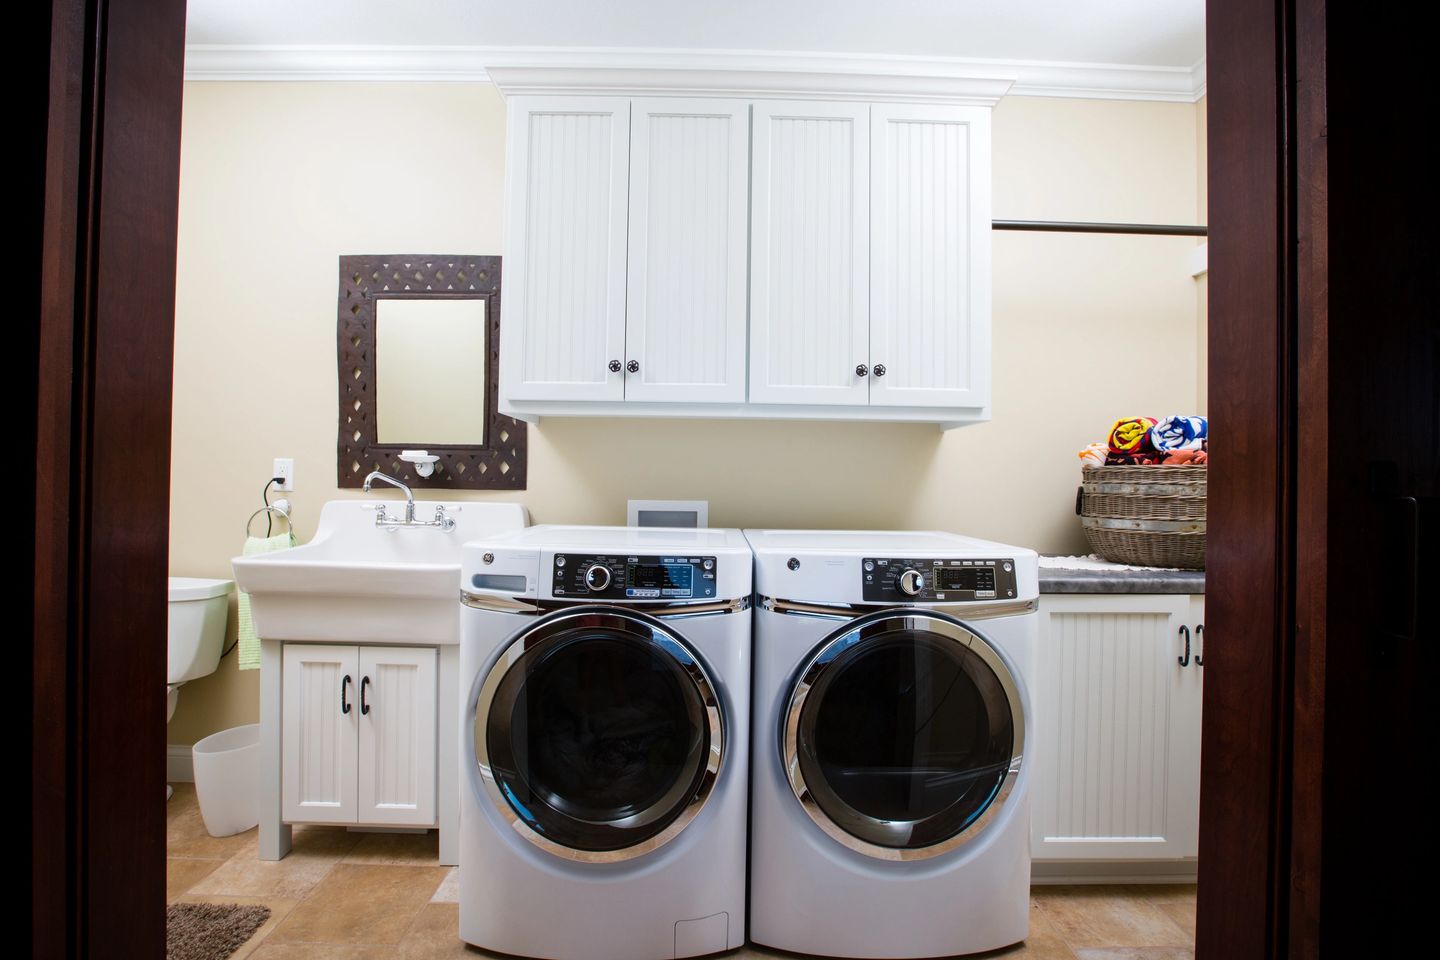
point(1118, 730)
point(397, 735)
point(685, 313)
point(930, 255)
point(809, 253)
point(318, 738)
point(564, 321)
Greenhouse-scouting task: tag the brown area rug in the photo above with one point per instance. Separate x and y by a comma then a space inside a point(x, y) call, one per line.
point(210, 931)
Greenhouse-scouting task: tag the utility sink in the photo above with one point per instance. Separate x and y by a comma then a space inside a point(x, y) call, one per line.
point(362, 583)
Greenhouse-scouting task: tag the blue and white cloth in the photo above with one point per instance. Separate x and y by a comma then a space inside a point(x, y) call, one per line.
point(1179, 433)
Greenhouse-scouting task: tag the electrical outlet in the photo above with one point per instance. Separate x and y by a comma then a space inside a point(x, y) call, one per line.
point(285, 469)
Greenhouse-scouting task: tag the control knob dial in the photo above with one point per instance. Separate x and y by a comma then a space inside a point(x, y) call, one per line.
point(597, 576)
point(911, 582)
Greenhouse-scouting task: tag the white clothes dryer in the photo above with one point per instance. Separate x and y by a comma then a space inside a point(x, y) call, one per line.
point(890, 806)
point(606, 742)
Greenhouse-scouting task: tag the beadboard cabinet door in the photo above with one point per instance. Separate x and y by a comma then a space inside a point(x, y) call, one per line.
point(568, 171)
point(320, 733)
point(810, 253)
point(1118, 745)
point(929, 255)
point(397, 708)
point(689, 204)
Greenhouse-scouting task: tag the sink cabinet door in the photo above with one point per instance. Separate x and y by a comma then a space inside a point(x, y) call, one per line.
point(320, 733)
point(398, 717)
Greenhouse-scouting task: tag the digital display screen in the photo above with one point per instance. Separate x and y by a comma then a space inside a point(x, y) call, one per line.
point(966, 578)
point(661, 576)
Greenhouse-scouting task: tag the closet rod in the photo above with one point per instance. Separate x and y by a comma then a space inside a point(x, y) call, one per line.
point(1065, 226)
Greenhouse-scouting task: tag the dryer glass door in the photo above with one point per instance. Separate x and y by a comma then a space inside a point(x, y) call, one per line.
point(598, 733)
point(903, 734)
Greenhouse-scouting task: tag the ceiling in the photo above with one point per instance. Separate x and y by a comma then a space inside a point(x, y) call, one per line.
point(1160, 33)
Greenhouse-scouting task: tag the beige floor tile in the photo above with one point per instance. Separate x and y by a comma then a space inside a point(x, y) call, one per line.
point(412, 849)
point(449, 889)
point(435, 935)
point(362, 903)
point(1136, 953)
point(181, 875)
point(314, 852)
point(1086, 917)
point(185, 833)
point(279, 910)
point(322, 951)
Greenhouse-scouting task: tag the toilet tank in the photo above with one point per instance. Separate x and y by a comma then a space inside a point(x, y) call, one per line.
point(197, 626)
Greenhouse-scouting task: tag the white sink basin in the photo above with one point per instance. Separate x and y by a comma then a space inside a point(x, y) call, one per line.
point(361, 583)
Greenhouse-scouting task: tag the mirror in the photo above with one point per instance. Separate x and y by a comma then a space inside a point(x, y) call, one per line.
point(418, 347)
point(430, 372)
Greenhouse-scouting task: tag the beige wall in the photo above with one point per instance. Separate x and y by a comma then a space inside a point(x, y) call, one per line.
point(277, 180)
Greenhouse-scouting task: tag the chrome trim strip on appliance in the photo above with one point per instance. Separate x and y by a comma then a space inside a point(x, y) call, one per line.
point(614, 619)
point(850, 611)
point(665, 611)
point(899, 620)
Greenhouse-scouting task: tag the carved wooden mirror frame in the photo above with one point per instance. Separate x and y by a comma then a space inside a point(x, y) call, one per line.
point(498, 464)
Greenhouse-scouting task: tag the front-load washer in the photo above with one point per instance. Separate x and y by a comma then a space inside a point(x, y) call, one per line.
point(603, 813)
point(890, 806)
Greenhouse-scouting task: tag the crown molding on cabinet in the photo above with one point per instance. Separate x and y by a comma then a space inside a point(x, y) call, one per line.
point(562, 70)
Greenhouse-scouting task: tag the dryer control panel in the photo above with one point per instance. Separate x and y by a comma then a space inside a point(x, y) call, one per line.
point(608, 576)
point(920, 580)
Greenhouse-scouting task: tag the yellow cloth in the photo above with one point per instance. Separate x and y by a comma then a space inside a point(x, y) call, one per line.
point(250, 640)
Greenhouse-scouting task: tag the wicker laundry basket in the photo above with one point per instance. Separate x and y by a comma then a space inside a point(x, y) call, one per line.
point(1151, 516)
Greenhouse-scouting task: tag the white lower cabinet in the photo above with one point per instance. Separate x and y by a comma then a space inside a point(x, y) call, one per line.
point(358, 734)
point(1117, 703)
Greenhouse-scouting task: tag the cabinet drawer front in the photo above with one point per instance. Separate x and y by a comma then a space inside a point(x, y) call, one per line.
point(568, 163)
point(319, 737)
point(398, 735)
point(689, 200)
point(809, 253)
point(930, 255)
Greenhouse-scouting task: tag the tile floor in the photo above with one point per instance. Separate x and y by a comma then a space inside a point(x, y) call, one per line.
point(354, 896)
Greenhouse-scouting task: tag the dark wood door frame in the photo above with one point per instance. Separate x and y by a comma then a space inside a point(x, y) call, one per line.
point(104, 255)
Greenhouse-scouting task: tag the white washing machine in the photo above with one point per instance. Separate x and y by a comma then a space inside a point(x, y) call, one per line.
point(606, 742)
point(890, 807)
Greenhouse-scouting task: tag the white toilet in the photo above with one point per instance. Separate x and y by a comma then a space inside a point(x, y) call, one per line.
point(197, 631)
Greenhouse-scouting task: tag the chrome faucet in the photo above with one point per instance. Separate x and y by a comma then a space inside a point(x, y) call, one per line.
point(409, 497)
point(383, 520)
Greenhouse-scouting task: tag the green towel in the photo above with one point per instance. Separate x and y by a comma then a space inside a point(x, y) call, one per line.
point(250, 640)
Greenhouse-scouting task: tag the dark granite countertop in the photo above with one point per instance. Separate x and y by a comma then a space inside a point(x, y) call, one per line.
point(1057, 580)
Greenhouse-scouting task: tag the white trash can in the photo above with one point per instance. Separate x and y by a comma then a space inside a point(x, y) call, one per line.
point(227, 779)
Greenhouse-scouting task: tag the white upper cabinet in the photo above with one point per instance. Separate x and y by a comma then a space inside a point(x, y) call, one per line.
point(809, 253)
point(930, 255)
point(568, 167)
point(685, 316)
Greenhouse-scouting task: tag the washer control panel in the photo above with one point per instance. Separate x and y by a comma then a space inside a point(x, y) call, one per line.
point(920, 580)
point(608, 576)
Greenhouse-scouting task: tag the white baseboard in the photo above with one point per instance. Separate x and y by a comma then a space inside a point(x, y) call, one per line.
point(1045, 872)
point(179, 763)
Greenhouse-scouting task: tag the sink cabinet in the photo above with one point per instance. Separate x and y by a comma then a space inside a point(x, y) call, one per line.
point(358, 735)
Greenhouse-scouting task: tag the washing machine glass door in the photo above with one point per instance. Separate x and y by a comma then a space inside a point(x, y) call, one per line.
point(598, 734)
point(903, 735)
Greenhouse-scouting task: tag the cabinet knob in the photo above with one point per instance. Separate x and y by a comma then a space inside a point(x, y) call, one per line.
point(633, 366)
point(1185, 633)
point(879, 369)
point(1199, 639)
point(614, 366)
point(861, 370)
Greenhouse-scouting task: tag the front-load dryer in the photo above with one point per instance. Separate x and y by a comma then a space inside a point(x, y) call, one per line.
point(890, 806)
point(607, 736)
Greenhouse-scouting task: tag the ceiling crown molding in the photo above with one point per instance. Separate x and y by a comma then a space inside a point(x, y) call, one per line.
point(745, 73)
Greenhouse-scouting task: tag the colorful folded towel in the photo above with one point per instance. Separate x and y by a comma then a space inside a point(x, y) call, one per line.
point(1093, 455)
point(1148, 459)
point(1132, 435)
point(1179, 433)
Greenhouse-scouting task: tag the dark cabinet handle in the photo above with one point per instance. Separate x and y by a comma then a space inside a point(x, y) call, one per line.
point(614, 366)
point(364, 707)
point(1185, 660)
point(1199, 639)
point(861, 370)
point(344, 703)
point(633, 366)
point(879, 369)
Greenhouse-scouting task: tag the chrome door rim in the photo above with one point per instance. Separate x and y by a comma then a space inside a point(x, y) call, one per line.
point(641, 627)
point(860, 631)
